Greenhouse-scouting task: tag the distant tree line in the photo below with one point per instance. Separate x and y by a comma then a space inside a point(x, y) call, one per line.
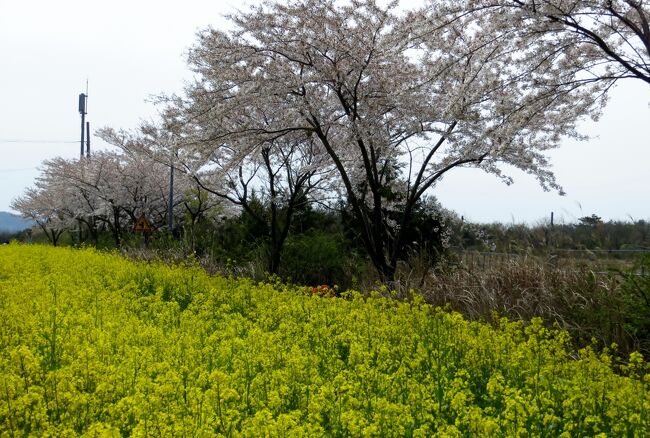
point(587, 233)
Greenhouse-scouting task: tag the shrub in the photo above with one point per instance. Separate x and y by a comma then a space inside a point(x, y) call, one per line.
point(314, 259)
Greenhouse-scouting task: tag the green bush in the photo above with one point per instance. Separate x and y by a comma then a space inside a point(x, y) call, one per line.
point(636, 289)
point(314, 259)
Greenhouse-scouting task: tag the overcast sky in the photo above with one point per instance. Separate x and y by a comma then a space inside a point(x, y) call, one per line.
point(132, 50)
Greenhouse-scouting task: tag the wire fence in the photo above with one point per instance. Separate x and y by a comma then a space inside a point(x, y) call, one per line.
point(602, 262)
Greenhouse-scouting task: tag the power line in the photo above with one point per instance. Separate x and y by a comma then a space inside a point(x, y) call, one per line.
point(36, 141)
point(24, 169)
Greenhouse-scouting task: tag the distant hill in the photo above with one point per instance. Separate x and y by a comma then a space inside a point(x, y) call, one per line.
point(11, 223)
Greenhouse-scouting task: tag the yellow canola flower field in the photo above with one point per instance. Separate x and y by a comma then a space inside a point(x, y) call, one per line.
point(95, 345)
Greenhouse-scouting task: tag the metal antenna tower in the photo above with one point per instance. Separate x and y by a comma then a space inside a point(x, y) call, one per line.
point(85, 126)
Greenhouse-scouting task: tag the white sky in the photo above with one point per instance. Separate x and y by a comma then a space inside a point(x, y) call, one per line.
point(131, 50)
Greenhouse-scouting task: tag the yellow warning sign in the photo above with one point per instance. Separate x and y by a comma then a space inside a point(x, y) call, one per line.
point(142, 225)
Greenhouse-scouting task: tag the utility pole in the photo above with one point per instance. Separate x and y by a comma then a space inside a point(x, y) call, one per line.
point(172, 161)
point(170, 208)
point(82, 110)
point(551, 220)
point(88, 139)
point(550, 240)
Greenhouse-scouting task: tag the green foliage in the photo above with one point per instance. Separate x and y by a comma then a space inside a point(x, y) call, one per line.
point(316, 258)
point(590, 221)
point(636, 304)
point(238, 238)
point(6, 236)
point(589, 233)
point(94, 345)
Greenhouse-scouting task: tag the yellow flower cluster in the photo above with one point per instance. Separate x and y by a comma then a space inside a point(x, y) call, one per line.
point(94, 345)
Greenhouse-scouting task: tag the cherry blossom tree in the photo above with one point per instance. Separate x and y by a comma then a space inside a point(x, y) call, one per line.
point(395, 101)
point(159, 148)
point(241, 169)
point(595, 40)
point(133, 184)
point(71, 183)
point(43, 205)
point(106, 192)
point(282, 175)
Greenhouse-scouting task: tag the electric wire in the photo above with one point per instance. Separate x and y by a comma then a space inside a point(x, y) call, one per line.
point(24, 169)
point(37, 141)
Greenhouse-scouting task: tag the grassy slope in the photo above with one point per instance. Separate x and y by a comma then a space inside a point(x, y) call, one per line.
point(94, 344)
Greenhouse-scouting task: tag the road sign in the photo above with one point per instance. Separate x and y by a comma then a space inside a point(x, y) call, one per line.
point(142, 225)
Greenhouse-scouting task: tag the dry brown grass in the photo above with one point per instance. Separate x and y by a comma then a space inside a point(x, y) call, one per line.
point(587, 301)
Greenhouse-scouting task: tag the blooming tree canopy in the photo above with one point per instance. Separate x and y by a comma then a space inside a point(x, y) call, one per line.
point(594, 40)
point(108, 191)
point(241, 170)
point(394, 101)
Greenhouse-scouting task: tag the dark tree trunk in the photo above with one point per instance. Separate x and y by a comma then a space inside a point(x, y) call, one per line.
point(116, 227)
